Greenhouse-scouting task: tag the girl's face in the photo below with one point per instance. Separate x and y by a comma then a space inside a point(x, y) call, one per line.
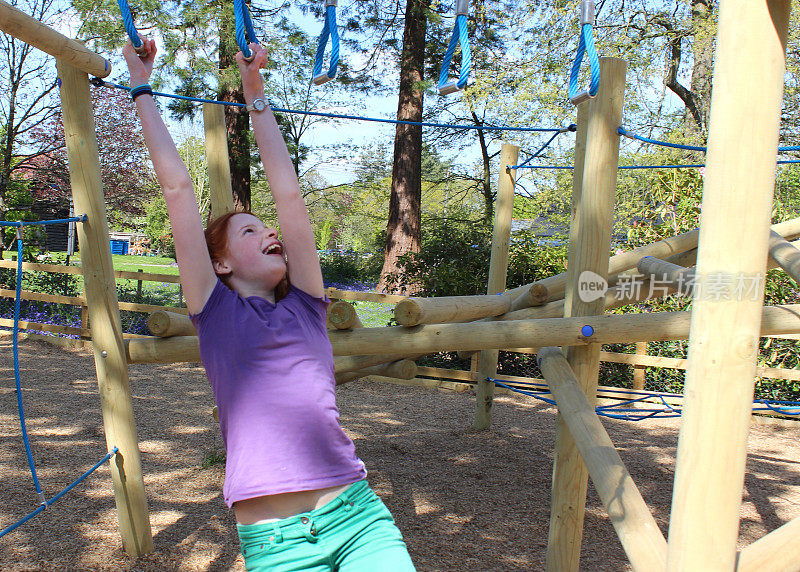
point(254, 256)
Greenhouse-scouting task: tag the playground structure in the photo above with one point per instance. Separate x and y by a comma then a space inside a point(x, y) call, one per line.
point(723, 329)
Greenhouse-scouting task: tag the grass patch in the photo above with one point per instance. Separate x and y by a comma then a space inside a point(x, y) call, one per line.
point(213, 457)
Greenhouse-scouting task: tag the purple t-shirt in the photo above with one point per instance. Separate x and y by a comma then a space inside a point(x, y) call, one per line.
point(271, 370)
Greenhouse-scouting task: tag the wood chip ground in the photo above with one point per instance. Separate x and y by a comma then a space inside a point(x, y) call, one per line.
point(464, 500)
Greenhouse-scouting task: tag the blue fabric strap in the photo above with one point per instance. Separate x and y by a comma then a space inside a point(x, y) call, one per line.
point(585, 45)
point(245, 33)
point(130, 27)
point(461, 37)
point(329, 30)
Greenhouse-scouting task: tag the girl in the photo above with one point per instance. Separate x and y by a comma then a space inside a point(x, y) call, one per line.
point(292, 476)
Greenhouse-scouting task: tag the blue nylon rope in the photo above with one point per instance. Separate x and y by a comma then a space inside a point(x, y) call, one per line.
point(17, 376)
point(329, 30)
point(100, 82)
point(459, 37)
point(245, 34)
point(130, 27)
point(68, 488)
point(619, 411)
point(625, 133)
point(539, 151)
point(585, 45)
point(695, 166)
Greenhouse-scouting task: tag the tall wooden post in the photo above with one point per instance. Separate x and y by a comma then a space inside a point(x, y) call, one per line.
point(589, 251)
point(101, 298)
point(219, 167)
point(732, 255)
point(498, 269)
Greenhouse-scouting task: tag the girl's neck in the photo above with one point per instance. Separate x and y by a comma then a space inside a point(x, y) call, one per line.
point(246, 290)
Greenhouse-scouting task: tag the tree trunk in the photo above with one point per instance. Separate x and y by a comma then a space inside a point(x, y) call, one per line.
point(486, 182)
point(237, 123)
point(403, 227)
point(704, 27)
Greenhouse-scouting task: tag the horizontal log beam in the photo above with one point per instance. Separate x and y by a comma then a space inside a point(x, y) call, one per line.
point(415, 311)
point(638, 532)
point(342, 316)
point(165, 324)
point(40, 36)
point(669, 247)
point(657, 326)
point(402, 369)
point(336, 294)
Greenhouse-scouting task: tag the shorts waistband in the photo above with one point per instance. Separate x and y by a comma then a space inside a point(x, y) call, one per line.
point(303, 525)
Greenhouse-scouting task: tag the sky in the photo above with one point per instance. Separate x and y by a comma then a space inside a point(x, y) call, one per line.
point(334, 168)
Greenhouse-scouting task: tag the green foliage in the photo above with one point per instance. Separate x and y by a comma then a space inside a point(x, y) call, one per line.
point(158, 229)
point(454, 261)
point(346, 269)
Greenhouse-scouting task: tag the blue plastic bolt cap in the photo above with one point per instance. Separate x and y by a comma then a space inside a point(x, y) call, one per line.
point(587, 331)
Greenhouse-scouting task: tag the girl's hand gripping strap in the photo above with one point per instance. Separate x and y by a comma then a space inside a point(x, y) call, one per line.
point(245, 34)
point(130, 28)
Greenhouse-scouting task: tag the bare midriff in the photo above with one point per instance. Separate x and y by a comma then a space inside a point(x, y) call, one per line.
point(284, 505)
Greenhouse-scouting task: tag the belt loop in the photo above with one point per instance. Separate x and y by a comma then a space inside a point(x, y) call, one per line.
point(276, 535)
point(310, 529)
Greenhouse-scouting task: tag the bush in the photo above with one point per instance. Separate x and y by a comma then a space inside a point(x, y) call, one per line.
point(350, 270)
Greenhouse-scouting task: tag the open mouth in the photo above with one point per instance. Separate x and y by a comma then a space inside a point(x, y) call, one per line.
point(274, 248)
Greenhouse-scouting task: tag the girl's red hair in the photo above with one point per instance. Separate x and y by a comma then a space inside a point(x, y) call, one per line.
point(216, 234)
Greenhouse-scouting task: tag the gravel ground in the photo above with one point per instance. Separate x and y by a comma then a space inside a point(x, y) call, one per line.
point(463, 500)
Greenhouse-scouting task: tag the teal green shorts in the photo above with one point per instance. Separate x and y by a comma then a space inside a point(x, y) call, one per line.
point(355, 532)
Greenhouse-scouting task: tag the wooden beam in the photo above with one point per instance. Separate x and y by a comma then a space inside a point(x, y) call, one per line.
point(342, 316)
point(165, 324)
point(31, 31)
point(664, 249)
point(637, 529)
point(472, 336)
point(336, 294)
point(101, 297)
point(219, 167)
point(402, 369)
point(415, 311)
point(498, 270)
point(346, 364)
point(785, 254)
point(590, 244)
point(778, 551)
point(723, 346)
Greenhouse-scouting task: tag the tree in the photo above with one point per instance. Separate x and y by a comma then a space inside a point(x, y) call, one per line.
point(28, 79)
point(403, 226)
point(127, 179)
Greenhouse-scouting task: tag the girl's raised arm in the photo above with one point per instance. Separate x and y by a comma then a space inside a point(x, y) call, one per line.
point(197, 274)
point(298, 237)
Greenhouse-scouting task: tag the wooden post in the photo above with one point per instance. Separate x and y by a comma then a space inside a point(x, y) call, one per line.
point(139, 288)
point(101, 298)
point(498, 268)
point(732, 252)
point(33, 32)
point(219, 168)
point(637, 529)
point(638, 370)
point(589, 253)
